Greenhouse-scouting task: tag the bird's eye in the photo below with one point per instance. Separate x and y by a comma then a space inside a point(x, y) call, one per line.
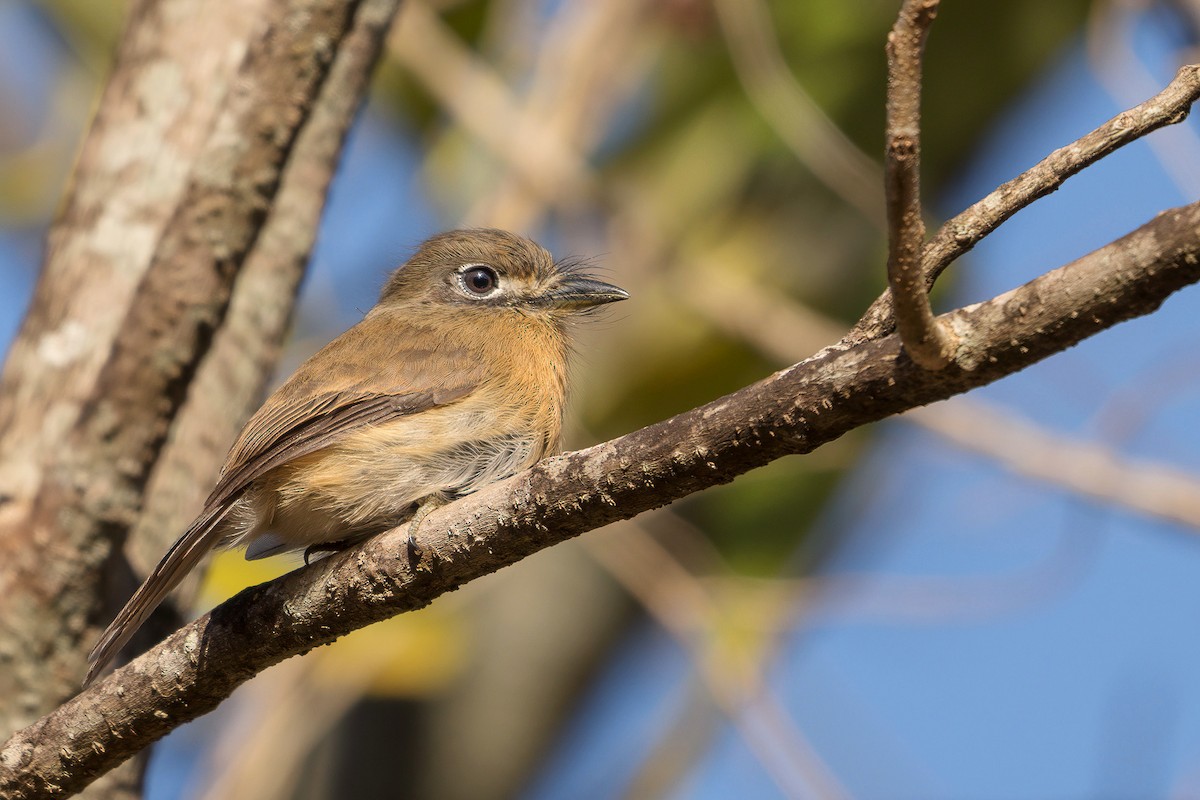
point(479, 280)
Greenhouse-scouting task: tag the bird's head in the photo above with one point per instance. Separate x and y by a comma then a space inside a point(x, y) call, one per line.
point(487, 270)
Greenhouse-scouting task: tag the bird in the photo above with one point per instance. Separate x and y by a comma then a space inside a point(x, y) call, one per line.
point(456, 378)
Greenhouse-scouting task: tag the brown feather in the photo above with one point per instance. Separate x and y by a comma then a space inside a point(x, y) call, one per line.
point(183, 556)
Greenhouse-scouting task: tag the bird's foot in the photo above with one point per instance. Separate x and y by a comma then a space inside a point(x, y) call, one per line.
point(415, 550)
point(323, 549)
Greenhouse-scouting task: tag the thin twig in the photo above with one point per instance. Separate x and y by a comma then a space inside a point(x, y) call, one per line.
point(961, 233)
point(472, 93)
point(685, 608)
point(804, 127)
point(1088, 468)
point(929, 344)
point(1120, 70)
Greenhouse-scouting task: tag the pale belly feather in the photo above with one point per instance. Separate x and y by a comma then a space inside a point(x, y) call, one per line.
point(373, 478)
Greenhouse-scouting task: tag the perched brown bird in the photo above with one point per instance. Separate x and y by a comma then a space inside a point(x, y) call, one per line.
point(456, 378)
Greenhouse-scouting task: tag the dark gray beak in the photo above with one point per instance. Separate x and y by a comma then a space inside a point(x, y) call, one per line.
point(576, 293)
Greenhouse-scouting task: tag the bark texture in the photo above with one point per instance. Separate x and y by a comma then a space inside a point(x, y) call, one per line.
point(171, 193)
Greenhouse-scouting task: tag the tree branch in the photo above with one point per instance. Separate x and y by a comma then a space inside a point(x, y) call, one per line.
point(1090, 469)
point(793, 411)
point(229, 382)
point(928, 343)
point(796, 118)
point(962, 232)
point(70, 497)
point(782, 329)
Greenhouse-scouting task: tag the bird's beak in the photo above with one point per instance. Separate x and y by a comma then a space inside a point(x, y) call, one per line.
point(576, 293)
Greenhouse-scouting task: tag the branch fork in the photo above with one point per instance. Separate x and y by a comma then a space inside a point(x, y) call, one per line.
point(927, 341)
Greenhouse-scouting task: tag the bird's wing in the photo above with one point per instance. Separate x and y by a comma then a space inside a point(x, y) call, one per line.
point(290, 431)
point(299, 418)
point(292, 423)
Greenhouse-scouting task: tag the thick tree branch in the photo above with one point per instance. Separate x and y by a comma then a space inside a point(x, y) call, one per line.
point(74, 500)
point(230, 380)
point(793, 411)
point(184, 294)
point(98, 248)
point(928, 342)
point(781, 329)
point(965, 230)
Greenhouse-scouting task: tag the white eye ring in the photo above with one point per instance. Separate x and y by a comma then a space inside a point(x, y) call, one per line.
point(478, 281)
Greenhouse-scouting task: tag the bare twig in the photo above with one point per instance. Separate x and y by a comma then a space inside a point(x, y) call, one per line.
point(802, 125)
point(793, 411)
point(928, 343)
point(1087, 468)
point(476, 97)
point(1119, 68)
point(686, 610)
point(961, 233)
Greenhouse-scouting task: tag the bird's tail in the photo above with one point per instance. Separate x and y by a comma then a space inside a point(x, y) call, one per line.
point(183, 556)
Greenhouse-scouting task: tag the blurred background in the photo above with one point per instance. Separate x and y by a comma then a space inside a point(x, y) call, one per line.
point(996, 597)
